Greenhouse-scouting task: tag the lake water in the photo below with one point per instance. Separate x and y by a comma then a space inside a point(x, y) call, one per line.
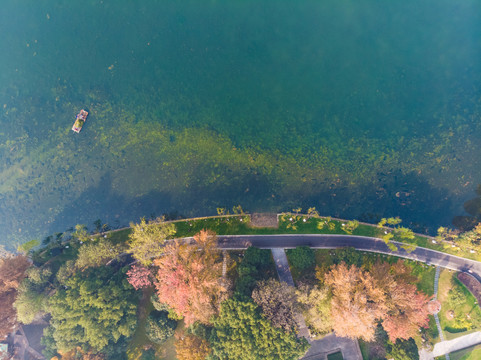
point(363, 109)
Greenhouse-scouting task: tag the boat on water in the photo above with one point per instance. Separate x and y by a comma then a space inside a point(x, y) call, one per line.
point(80, 121)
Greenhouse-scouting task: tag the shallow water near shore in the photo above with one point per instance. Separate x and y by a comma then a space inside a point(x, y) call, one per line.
point(361, 109)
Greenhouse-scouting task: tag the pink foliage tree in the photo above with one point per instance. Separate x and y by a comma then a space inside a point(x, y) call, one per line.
point(139, 277)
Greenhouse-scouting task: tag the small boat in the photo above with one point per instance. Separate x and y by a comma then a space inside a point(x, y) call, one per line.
point(80, 120)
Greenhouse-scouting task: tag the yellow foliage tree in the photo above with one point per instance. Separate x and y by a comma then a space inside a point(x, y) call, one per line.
point(146, 241)
point(191, 347)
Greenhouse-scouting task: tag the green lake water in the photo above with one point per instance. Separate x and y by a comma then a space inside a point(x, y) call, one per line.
point(363, 109)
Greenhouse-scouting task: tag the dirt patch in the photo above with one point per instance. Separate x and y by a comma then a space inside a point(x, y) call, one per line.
point(472, 284)
point(450, 315)
point(265, 220)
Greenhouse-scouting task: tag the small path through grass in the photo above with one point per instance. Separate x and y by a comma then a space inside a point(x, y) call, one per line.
point(436, 317)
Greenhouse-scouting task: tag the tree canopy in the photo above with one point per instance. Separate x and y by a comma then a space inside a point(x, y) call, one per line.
point(146, 241)
point(159, 327)
point(386, 293)
point(357, 303)
point(189, 278)
point(95, 309)
point(278, 302)
point(97, 253)
point(241, 332)
point(256, 265)
point(403, 350)
point(191, 347)
point(12, 272)
point(406, 307)
point(315, 304)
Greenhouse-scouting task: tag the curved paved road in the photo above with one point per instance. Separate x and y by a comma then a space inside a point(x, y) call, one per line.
point(363, 243)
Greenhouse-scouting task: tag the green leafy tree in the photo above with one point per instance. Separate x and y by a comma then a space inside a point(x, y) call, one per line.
point(350, 226)
point(315, 304)
point(470, 240)
point(302, 257)
point(160, 306)
point(32, 294)
point(97, 253)
point(66, 271)
point(81, 233)
point(404, 233)
point(255, 266)
point(30, 303)
point(394, 220)
point(47, 340)
point(312, 212)
point(403, 350)
point(409, 247)
point(242, 333)
point(159, 327)
point(146, 241)
point(96, 309)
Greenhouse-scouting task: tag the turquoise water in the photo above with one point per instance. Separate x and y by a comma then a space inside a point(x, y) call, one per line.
point(362, 109)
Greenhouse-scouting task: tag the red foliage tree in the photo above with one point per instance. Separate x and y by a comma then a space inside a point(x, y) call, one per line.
point(189, 278)
point(12, 272)
point(407, 308)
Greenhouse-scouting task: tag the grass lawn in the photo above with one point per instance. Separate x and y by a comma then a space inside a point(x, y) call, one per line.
point(425, 274)
point(364, 346)
point(471, 353)
point(372, 350)
point(459, 311)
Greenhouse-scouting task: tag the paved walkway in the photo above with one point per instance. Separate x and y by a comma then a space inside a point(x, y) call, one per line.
point(436, 317)
point(449, 346)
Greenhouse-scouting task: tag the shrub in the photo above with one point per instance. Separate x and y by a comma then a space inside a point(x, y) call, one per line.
point(159, 327)
point(302, 257)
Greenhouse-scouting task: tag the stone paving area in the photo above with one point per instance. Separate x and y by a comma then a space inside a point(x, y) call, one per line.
point(264, 220)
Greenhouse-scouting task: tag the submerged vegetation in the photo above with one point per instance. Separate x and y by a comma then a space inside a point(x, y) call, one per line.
point(179, 131)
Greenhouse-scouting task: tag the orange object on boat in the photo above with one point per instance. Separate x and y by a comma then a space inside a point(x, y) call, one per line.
point(80, 120)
